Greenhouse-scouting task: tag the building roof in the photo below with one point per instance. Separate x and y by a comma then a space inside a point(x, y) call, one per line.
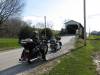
point(72, 22)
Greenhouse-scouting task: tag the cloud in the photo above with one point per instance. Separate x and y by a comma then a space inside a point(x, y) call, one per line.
point(33, 19)
point(29, 18)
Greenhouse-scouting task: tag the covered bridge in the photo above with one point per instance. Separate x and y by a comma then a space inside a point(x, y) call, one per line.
point(72, 26)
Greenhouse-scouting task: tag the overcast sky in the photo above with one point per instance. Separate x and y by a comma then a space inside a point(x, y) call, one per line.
point(59, 10)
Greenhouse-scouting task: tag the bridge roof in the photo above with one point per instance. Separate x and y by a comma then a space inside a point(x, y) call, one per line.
point(72, 22)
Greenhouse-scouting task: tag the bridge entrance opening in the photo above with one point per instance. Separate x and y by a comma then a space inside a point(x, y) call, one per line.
point(71, 29)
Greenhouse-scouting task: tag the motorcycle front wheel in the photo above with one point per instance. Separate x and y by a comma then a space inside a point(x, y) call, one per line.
point(45, 48)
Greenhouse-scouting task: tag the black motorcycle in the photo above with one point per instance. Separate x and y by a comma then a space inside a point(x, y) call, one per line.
point(33, 50)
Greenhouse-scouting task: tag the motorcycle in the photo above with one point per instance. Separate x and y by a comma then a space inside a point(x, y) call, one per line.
point(55, 45)
point(32, 50)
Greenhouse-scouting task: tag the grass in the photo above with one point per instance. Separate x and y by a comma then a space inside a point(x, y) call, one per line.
point(79, 61)
point(8, 43)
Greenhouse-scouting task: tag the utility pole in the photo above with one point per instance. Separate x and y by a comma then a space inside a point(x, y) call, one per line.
point(45, 25)
point(84, 11)
point(89, 32)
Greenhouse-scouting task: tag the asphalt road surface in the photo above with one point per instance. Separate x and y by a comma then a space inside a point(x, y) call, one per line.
point(9, 64)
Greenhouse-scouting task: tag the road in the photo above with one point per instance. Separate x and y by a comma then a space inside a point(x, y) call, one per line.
point(9, 64)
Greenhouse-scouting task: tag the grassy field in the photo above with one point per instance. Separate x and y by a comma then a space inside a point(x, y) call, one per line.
point(79, 61)
point(8, 43)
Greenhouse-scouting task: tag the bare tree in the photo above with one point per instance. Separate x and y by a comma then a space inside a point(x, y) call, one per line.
point(9, 8)
point(12, 27)
point(40, 25)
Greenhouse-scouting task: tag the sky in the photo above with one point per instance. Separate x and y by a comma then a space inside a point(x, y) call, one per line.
point(57, 11)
